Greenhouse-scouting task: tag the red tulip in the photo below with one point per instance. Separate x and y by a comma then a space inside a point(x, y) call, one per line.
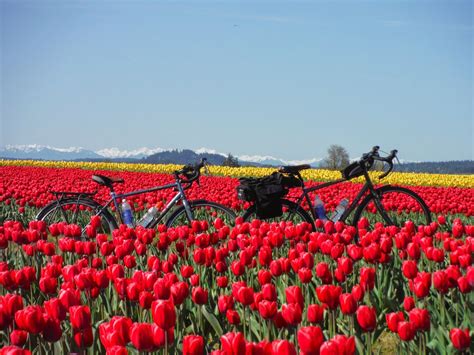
point(116, 332)
point(366, 317)
point(267, 309)
point(193, 345)
point(161, 289)
point(367, 278)
point(30, 319)
point(409, 269)
point(406, 331)
point(141, 336)
point(245, 295)
point(12, 304)
point(232, 316)
point(358, 292)
point(199, 295)
point(162, 337)
point(420, 318)
point(264, 277)
point(294, 295)
point(55, 309)
point(225, 303)
point(179, 292)
point(463, 285)
point(305, 275)
point(83, 338)
point(52, 331)
point(460, 338)
point(269, 292)
point(345, 264)
point(347, 303)
point(440, 281)
point(276, 268)
point(80, 317)
point(282, 347)
point(291, 313)
point(69, 298)
point(346, 345)
point(408, 303)
point(316, 313)
point(393, 319)
point(164, 314)
point(18, 337)
point(233, 343)
point(310, 339)
point(329, 295)
point(222, 281)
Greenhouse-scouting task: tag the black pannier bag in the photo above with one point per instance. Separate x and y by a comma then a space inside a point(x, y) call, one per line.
point(266, 193)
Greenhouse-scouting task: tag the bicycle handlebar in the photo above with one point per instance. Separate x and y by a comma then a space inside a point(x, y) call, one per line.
point(374, 155)
point(191, 172)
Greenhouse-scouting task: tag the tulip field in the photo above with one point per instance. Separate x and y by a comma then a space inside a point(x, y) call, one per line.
point(232, 287)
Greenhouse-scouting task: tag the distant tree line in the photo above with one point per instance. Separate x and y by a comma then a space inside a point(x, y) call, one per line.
point(444, 167)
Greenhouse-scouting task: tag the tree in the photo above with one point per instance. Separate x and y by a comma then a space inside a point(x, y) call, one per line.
point(231, 161)
point(337, 158)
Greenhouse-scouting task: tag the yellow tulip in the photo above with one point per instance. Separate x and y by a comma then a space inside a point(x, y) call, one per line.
point(412, 179)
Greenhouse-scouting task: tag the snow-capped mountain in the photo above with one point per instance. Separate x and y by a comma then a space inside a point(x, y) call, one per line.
point(262, 159)
point(43, 152)
point(269, 160)
point(139, 153)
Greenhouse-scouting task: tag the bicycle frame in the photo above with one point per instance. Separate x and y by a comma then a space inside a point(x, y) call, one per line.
point(368, 186)
point(180, 195)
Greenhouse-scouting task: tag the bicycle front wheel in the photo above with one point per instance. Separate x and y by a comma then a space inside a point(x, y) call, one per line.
point(394, 206)
point(76, 211)
point(291, 212)
point(202, 211)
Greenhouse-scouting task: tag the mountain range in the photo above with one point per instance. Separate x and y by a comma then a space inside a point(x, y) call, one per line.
point(142, 155)
point(186, 156)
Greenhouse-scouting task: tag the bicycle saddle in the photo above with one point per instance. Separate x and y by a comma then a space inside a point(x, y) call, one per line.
point(106, 181)
point(293, 169)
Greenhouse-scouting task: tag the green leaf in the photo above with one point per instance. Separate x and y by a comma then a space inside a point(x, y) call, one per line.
point(213, 321)
point(359, 345)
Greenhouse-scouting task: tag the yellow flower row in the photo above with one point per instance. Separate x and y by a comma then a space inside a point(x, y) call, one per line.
point(413, 179)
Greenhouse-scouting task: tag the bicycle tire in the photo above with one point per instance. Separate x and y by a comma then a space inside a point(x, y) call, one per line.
point(179, 217)
point(49, 213)
point(422, 209)
point(250, 213)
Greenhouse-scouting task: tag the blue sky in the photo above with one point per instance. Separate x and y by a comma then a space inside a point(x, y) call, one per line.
point(272, 78)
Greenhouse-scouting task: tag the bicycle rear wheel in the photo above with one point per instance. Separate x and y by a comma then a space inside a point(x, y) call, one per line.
point(202, 211)
point(77, 211)
point(291, 212)
point(397, 205)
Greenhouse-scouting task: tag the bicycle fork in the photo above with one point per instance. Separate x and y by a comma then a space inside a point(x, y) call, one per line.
point(187, 207)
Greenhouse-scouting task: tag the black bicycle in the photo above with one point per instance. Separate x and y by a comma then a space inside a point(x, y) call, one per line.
point(391, 204)
point(80, 207)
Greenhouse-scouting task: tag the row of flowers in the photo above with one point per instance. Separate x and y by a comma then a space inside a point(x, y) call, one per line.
point(31, 186)
point(410, 179)
point(255, 288)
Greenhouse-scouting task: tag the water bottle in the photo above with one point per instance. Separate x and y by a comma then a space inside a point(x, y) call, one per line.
point(148, 217)
point(340, 209)
point(127, 214)
point(319, 209)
